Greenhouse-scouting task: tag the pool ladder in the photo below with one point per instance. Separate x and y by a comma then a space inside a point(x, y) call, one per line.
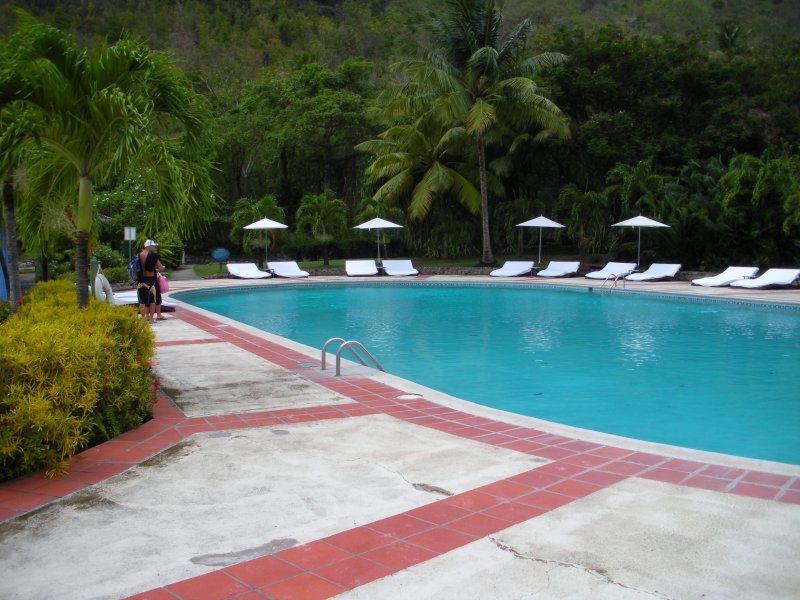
point(350, 345)
point(614, 279)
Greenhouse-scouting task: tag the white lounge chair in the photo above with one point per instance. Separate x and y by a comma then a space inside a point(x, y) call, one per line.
point(247, 271)
point(131, 298)
point(399, 268)
point(286, 268)
point(612, 270)
point(727, 277)
point(360, 268)
point(770, 278)
point(513, 268)
point(655, 272)
point(559, 269)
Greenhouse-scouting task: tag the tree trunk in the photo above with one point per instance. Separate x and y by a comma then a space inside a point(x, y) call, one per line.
point(487, 256)
point(14, 285)
point(84, 223)
point(82, 268)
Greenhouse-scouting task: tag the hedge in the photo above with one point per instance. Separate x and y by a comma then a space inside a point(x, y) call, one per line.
point(70, 378)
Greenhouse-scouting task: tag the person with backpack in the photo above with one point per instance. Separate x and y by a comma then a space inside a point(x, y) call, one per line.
point(150, 261)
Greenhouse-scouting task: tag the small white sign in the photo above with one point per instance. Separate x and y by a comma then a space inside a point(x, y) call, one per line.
point(130, 234)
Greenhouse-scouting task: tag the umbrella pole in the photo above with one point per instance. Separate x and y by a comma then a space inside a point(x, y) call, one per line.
point(639, 249)
point(379, 246)
point(540, 248)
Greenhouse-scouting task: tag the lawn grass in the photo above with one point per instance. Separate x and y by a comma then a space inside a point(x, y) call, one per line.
point(210, 270)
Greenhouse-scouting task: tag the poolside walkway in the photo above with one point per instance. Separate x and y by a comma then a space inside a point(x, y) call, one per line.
point(262, 476)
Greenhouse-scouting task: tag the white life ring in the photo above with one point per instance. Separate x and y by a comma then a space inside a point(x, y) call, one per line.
point(102, 289)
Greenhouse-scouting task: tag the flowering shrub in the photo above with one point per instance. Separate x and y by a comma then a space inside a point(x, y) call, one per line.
point(69, 378)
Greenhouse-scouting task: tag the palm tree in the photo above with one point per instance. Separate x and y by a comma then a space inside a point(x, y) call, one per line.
point(324, 215)
point(474, 79)
point(248, 211)
point(419, 163)
point(94, 115)
point(637, 187)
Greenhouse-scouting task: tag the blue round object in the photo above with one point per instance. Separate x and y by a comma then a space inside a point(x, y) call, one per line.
point(220, 254)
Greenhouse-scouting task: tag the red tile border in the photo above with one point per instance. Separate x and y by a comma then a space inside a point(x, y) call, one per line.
point(327, 567)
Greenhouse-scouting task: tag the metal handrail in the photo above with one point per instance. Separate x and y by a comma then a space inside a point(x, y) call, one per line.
point(333, 341)
point(349, 345)
point(615, 279)
point(361, 347)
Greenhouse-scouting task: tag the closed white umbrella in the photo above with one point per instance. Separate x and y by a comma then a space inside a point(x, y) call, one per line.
point(265, 224)
point(639, 222)
point(540, 222)
point(378, 224)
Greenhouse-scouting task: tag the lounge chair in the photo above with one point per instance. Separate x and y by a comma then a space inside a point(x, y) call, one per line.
point(360, 268)
point(770, 278)
point(559, 269)
point(727, 277)
point(612, 270)
point(286, 268)
point(131, 298)
point(399, 268)
point(247, 271)
point(513, 268)
point(655, 272)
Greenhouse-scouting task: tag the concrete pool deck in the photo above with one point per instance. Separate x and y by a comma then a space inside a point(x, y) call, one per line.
point(262, 476)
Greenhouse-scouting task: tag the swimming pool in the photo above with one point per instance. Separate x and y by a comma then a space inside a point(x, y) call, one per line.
point(705, 375)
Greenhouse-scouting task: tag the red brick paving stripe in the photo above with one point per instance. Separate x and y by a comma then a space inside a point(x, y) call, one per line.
point(263, 571)
point(216, 585)
point(348, 559)
point(189, 342)
point(302, 587)
point(399, 556)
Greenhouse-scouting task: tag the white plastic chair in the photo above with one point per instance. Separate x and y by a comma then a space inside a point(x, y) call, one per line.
point(286, 268)
point(360, 268)
point(399, 268)
point(559, 269)
point(612, 270)
point(770, 278)
point(656, 272)
point(247, 271)
point(513, 268)
point(727, 277)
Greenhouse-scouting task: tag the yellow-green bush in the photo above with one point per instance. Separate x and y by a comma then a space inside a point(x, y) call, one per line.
point(69, 378)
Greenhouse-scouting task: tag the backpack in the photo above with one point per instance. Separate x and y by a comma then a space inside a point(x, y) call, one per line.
point(135, 269)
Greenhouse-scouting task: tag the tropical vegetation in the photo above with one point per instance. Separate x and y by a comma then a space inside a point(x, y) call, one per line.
point(458, 119)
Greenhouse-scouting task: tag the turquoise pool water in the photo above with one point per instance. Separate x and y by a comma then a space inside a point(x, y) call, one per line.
point(709, 376)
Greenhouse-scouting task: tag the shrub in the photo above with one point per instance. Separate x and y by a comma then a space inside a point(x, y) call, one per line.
point(116, 274)
point(109, 257)
point(69, 378)
point(5, 310)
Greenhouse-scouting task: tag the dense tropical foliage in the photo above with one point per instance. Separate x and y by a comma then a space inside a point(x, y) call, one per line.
point(687, 112)
point(85, 118)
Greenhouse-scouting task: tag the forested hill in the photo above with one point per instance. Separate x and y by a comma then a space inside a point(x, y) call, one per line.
point(243, 36)
point(686, 110)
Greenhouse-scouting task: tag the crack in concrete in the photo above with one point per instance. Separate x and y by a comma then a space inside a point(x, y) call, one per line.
point(231, 558)
point(423, 487)
point(601, 574)
point(433, 489)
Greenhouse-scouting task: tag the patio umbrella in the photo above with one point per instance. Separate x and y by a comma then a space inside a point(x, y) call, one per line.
point(265, 224)
point(540, 222)
point(639, 222)
point(378, 223)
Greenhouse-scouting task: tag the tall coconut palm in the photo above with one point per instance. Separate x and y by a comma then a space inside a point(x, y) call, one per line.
point(470, 77)
point(95, 114)
point(419, 162)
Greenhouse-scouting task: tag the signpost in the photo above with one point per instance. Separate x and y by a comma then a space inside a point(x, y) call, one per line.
point(130, 236)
